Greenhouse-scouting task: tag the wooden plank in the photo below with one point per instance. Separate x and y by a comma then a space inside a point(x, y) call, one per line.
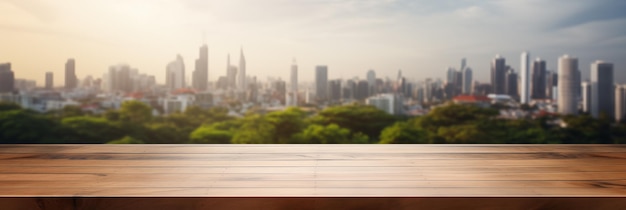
point(274, 203)
point(303, 149)
point(313, 170)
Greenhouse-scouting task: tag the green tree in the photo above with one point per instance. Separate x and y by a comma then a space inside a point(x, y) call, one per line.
point(255, 129)
point(21, 126)
point(93, 130)
point(584, 129)
point(8, 106)
point(356, 118)
point(126, 140)
point(453, 123)
point(135, 112)
point(403, 133)
point(165, 133)
point(210, 135)
point(330, 134)
point(286, 124)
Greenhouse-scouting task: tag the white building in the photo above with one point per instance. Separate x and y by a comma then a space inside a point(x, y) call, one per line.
point(389, 103)
point(567, 96)
point(175, 74)
point(292, 93)
point(178, 102)
point(242, 83)
point(525, 75)
point(586, 95)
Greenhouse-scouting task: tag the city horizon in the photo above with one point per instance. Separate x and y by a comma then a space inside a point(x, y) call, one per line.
point(387, 35)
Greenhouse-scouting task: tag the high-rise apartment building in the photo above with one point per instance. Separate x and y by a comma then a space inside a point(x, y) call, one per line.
point(511, 84)
point(620, 103)
point(586, 96)
point(539, 79)
point(371, 80)
point(334, 90)
point(49, 80)
point(200, 78)
point(498, 75)
point(175, 74)
point(71, 81)
point(602, 96)
point(451, 75)
point(292, 94)
point(568, 86)
point(321, 83)
point(390, 103)
point(551, 82)
point(467, 80)
point(463, 64)
point(7, 78)
point(118, 79)
point(242, 84)
point(525, 79)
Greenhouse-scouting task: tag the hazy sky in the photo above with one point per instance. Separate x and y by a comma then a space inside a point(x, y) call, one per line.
point(420, 37)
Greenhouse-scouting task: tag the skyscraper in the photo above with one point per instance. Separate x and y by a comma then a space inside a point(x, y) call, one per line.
point(498, 75)
point(451, 75)
point(242, 83)
point(586, 96)
point(620, 103)
point(602, 96)
point(175, 74)
point(539, 79)
point(201, 73)
point(511, 83)
point(463, 64)
point(567, 96)
point(525, 76)
point(118, 79)
point(467, 81)
point(71, 81)
point(428, 90)
point(362, 90)
point(49, 80)
point(321, 83)
point(334, 90)
point(7, 78)
point(293, 90)
point(551, 82)
point(371, 80)
point(232, 77)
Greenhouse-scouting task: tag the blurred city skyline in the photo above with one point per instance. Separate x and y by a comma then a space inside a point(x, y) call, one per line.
point(422, 38)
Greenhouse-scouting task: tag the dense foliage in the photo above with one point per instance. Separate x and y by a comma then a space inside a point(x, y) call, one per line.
point(351, 124)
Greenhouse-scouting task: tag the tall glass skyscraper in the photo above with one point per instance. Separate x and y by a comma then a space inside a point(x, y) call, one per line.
point(321, 83)
point(602, 97)
point(498, 75)
point(242, 83)
point(201, 73)
point(539, 79)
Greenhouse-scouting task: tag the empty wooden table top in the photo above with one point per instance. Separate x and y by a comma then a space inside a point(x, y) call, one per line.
point(313, 170)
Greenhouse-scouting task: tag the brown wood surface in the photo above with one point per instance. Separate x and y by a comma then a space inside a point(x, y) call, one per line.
point(311, 176)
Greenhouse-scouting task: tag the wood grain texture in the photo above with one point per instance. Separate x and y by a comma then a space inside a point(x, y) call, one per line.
point(311, 176)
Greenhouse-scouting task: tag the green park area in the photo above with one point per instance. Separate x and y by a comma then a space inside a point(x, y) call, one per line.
point(347, 124)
